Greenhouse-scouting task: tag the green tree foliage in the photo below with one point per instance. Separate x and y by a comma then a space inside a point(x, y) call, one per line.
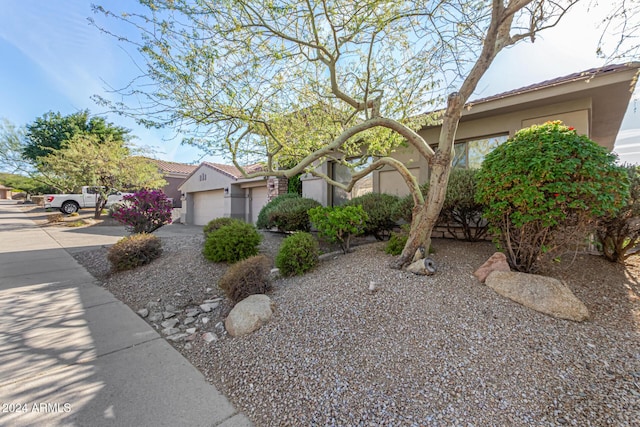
point(618, 234)
point(27, 184)
point(544, 189)
point(53, 131)
point(379, 208)
point(339, 223)
point(11, 147)
point(315, 81)
point(108, 164)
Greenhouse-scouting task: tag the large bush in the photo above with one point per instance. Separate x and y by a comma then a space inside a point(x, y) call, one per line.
point(544, 188)
point(263, 217)
point(232, 243)
point(247, 277)
point(618, 234)
point(380, 209)
point(298, 254)
point(339, 223)
point(403, 208)
point(143, 211)
point(217, 223)
point(134, 251)
point(460, 207)
point(292, 214)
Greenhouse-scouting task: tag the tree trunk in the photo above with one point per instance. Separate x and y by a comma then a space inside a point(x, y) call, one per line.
point(426, 216)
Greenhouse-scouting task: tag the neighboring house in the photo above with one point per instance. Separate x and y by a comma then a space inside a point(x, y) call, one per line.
point(5, 192)
point(593, 102)
point(214, 190)
point(175, 174)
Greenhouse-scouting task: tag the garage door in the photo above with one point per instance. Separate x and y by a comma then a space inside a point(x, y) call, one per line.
point(259, 196)
point(207, 205)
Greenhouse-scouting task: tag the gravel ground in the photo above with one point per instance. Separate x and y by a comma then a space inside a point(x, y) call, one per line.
point(422, 351)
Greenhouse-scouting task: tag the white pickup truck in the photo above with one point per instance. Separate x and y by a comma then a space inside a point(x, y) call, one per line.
point(70, 203)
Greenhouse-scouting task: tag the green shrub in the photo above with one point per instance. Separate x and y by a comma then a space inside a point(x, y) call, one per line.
point(232, 243)
point(396, 242)
point(217, 223)
point(460, 207)
point(292, 214)
point(134, 251)
point(263, 217)
point(380, 209)
point(619, 233)
point(298, 254)
point(403, 208)
point(339, 224)
point(247, 277)
point(544, 188)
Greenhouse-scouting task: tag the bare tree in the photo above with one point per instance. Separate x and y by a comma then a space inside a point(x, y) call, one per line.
point(237, 74)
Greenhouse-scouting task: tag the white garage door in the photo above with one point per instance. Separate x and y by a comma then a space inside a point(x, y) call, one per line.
point(207, 205)
point(259, 196)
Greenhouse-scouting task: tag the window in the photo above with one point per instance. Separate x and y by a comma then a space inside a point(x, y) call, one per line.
point(342, 174)
point(471, 153)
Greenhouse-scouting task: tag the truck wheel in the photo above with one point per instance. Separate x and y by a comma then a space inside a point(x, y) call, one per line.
point(69, 207)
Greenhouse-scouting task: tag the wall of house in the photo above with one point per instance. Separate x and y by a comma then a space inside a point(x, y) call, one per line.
point(205, 178)
point(171, 189)
point(576, 113)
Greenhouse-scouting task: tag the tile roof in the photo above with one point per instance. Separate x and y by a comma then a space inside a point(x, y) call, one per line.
point(582, 75)
point(233, 171)
point(174, 167)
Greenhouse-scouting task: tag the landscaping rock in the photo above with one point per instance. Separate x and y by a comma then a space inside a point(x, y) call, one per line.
point(204, 320)
point(249, 315)
point(210, 337)
point(191, 330)
point(189, 320)
point(193, 312)
point(155, 317)
point(177, 337)
point(422, 267)
point(169, 323)
point(544, 294)
point(170, 331)
point(143, 313)
point(168, 314)
point(497, 262)
point(207, 307)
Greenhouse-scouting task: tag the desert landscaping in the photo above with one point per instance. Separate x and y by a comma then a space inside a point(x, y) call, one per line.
point(419, 350)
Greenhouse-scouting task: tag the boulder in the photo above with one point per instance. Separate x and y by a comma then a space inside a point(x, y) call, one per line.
point(422, 267)
point(497, 262)
point(249, 315)
point(544, 294)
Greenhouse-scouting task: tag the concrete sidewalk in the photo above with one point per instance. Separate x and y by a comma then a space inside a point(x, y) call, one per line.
point(72, 354)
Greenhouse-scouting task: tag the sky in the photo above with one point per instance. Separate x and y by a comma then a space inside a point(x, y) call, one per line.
point(54, 60)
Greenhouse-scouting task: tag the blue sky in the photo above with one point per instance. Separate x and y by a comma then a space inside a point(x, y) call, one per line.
point(52, 59)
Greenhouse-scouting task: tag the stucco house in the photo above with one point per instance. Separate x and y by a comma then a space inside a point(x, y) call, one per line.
point(5, 192)
point(175, 174)
point(593, 101)
point(215, 190)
